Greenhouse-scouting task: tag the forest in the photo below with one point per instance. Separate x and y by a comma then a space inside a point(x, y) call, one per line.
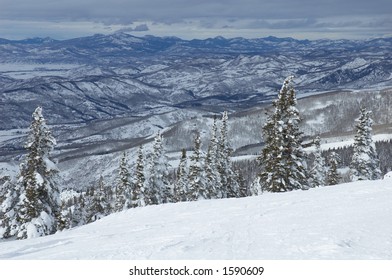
point(35, 204)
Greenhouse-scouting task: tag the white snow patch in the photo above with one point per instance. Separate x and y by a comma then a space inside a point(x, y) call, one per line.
point(347, 143)
point(347, 221)
point(388, 175)
point(356, 63)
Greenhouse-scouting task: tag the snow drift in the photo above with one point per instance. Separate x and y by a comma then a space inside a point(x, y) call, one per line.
point(347, 221)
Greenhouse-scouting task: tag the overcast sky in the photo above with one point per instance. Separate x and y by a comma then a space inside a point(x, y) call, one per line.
point(311, 19)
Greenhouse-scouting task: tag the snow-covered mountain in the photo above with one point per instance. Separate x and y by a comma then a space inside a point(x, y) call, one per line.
point(106, 94)
point(106, 76)
point(348, 221)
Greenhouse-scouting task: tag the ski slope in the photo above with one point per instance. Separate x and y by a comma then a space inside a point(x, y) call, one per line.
point(348, 221)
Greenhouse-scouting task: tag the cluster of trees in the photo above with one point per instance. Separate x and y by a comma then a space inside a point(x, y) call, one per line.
point(283, 160)
point(30, 206)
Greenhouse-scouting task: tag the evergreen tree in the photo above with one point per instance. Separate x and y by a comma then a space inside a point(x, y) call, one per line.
point(32, 204)
point(212, 165)
point(65, 218)
point(283, 158)
point(104, 196)
point(364, 164)
point(181, 185)
point(98, 206)
point(230, 186)
point(138, 194)
point(333, 176)
point(197, 189)
point(123, 187)
point(255, 188)
point(158, 182)
point(10, 194)
point(318, 171)
point(79, 215)
point(243, 188)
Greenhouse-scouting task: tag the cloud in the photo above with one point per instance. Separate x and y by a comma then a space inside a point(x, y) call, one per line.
point(138, 28)
point(120, 11)
point(205, 15)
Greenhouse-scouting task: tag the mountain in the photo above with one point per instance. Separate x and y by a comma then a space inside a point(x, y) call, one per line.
point(119, 75)
point(348, 221)
point(104, 94)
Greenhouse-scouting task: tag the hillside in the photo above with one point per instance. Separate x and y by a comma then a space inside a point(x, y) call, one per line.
point(348, 221)
point(103, 77)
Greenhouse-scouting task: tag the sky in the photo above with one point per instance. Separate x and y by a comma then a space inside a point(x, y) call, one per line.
point(301, 19)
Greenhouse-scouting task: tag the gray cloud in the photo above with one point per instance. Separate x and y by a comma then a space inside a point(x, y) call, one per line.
point(208, 14)
point(139, 28)
point(116, 11)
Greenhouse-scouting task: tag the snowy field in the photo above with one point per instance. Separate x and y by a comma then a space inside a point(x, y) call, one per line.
point(348, 221)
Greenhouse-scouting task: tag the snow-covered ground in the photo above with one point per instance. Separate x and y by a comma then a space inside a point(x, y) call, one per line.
point(348, 221)
point(343, 141)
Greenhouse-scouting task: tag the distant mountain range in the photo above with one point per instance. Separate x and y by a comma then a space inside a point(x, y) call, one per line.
point(105, 76)
point(105, 94)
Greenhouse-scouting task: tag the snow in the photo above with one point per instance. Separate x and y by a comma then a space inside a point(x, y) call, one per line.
point(50, 165)
point(347, 221)
point(356, 63)
point(388, 176)
point(6, 135)
point(334, 144)
point(31, 70)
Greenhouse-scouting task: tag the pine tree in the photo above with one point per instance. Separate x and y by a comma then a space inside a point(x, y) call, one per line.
point(255, 187)
point(33, 205)
point(104, 196)
point(243, 187)
point(212, 165)
point(123, 187)
point(79, 215)
point(98, 206)
point(333, 176)
point(197, 189)
point(318, 171)
point(230, 186)
point(65, 219)
point(283, 158)
point(138, 194)
point(158, 183)
point(10, 195)
point(181, 185)
point(364, 164)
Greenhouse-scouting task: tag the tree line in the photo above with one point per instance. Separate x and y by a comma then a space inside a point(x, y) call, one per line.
point(30, 205)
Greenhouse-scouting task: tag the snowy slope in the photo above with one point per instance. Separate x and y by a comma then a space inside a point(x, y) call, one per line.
point(348, 221)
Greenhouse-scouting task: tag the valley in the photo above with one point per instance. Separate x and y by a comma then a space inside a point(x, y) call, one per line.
point(104, 94)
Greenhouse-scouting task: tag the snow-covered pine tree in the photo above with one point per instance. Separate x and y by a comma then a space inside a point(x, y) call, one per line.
point(158, 182)
point(181, 185)
point(104, 196)
point(197, 189)
point(79, 211)
point(333, 176)
point(319, 170)
point(230, 186)
point(364, 164)
point(123, 188)
point(243, 187)
point(37, 209)
point(138, 194)
point(98, 206)
point(212, 165)
point(255, 187)
point(9, 224)
point(65, 218)
point(283, 158)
